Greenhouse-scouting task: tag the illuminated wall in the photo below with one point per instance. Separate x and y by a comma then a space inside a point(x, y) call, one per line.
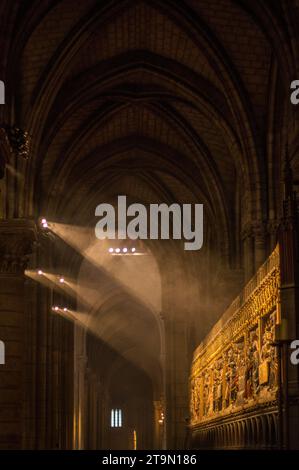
point(235, 368)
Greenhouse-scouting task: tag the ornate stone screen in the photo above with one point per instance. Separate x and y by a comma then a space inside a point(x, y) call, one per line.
point(234, 370)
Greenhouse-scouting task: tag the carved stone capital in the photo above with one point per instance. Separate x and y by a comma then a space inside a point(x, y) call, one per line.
point(20, 141)
point(17, 237)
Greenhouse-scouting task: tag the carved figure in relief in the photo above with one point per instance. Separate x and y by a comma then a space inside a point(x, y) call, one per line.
point(217, 386)
point(268, 352)
point(252, 366)
point(195, 399)
point(192, 407)
point(231, 378)
point(226, 382)
point(234, 375)
point(240, 368)
point(207, 393)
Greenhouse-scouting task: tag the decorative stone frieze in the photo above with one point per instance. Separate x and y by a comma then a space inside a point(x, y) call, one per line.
point(235, 367)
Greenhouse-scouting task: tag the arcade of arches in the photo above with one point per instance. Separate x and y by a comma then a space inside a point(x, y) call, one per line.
point(162, 101)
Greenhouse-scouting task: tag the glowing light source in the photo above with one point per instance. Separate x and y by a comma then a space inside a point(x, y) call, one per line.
point(110, 250)
point(135, 439)
point(55, 308)
point(161, 419)
point(40, 272)
point(44, 222)
point(117, 250)
point(133, 250)
point(125, 250)
point(65, 309)
point(61, 280)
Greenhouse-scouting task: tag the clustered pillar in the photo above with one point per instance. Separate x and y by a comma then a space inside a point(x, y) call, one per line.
point(16, 243)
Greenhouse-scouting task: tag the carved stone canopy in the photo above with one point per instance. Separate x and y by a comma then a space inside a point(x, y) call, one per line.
point(17, 237)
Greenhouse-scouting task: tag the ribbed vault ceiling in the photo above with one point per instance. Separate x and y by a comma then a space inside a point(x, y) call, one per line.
point(176, 86)
point(164, 101)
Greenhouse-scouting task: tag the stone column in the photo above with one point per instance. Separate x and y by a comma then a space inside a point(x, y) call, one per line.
point(176, 313)
point(260, 244)
point(16, 242)
point(248, 253)
point(177, 375)
point(158, 425)
point(272, 229)
point(5, 151)
point(80, 364)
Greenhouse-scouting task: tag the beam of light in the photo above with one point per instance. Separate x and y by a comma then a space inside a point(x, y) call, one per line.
point(83, 293)
point(144, 287)
point(77, 237)
point(132, 353)
point(101, 280)
point(55, 280)
point(51, 280)
point(44, 278)
point(81, 318)
point(80, 238)
point(115, 329)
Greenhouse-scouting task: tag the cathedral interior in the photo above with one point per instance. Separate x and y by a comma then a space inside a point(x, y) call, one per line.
point(162, 101)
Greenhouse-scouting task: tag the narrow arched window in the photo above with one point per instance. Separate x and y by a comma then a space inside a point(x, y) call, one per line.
point(116, 418)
